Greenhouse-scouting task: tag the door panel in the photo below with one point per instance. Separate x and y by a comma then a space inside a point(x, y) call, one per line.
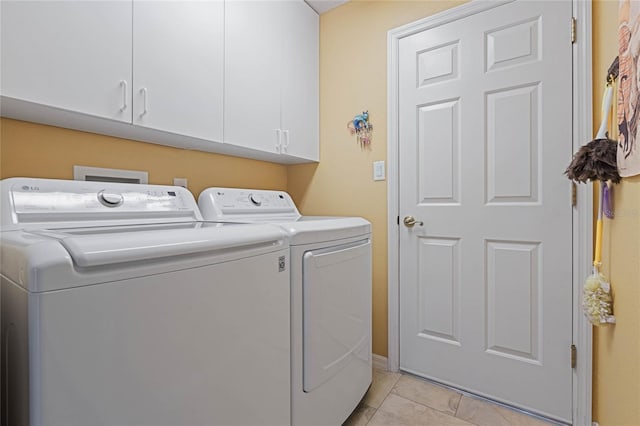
point(484, 135)
point(186, 347)
point(300, 81)
point(439, 289)
point(512, 168)
point(513, 289)
point(178, 68)
point(72, 55)
point(336, 316)
point(252, 78)
point(438, 176)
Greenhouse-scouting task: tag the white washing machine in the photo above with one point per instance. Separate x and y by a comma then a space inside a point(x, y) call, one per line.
point(330, 299)
point(120, 307)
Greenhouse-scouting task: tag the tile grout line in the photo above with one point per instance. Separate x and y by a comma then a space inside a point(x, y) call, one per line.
point(384, 399)
point(418, 403)
point(457, 407)
point(461, 396)
point(372, 416)
point(493, 403)
point(426, 405)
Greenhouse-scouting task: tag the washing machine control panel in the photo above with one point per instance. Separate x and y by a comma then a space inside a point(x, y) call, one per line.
point(43, 200)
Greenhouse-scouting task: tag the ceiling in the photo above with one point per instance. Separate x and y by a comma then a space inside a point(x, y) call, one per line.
point(322, 6)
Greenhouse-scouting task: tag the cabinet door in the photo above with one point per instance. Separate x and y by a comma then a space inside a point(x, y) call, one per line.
point(73, 55)
point(177, 67)
point(300, 99)
point(253, 59)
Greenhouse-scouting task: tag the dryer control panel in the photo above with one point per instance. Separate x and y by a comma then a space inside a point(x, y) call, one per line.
point(239, 204)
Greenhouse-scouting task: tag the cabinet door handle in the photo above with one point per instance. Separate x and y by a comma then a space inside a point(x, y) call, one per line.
point(144, 101)
point(285, 146)
point(278, 140)
point(123, 84)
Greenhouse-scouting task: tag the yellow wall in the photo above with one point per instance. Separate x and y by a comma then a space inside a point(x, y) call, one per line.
point(616, 372)
point(616, 376)
point(34, 150)
point(353, 78)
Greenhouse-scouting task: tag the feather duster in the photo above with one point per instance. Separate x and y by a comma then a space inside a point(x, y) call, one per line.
point(595, 161)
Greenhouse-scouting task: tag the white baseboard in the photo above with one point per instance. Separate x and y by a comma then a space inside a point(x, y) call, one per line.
point(380, 362)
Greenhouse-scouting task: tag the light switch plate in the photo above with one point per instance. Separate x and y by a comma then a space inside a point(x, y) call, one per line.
point(378, 170)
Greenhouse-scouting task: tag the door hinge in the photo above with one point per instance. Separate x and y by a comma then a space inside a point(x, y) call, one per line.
point(574, 194)
point(573, 30)
point(574, 356)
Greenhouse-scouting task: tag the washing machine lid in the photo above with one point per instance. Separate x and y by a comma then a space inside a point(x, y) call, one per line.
point(53, 259)
point(91, 247)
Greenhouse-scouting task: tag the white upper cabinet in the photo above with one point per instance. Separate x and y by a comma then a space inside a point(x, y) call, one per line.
point(71, 55)
point(253, 62)
point(236, 77)
point(300, 82)
point(271, 77)
point(178, 50)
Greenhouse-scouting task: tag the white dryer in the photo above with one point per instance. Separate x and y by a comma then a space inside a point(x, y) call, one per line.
point(121, 307)
point(330, 299)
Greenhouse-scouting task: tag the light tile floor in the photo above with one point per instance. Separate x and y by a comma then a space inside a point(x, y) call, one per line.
point(402, 399)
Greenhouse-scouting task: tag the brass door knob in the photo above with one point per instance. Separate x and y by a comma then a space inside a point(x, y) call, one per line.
point(409, 221)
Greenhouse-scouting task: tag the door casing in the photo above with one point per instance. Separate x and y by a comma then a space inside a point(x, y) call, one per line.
point(582, 212)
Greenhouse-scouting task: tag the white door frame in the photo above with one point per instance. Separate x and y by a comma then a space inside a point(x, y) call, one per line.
point(582, 213)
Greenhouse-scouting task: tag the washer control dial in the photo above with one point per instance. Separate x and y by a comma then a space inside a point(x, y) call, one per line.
point(110, 199)
point(255, 199)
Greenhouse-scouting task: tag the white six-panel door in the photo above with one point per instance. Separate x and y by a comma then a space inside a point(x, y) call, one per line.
point(485, 112)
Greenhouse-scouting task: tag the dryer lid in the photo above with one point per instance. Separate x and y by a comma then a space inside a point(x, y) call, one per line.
point(318, 229)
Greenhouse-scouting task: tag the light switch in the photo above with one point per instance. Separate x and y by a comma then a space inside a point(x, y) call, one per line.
point(378, 170)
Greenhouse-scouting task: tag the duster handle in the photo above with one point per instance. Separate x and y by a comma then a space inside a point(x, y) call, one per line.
point(597, 258)
point(606, 107)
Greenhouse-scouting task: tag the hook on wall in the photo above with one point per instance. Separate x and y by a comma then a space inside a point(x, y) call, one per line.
point(614, 70)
